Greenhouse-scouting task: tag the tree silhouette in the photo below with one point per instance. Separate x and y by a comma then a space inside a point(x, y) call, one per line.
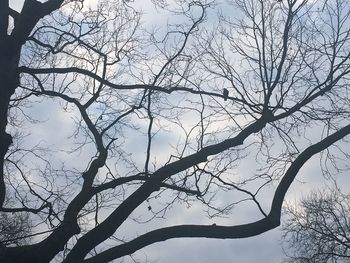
point(319, 231)
point(15, 228)
point(148, 124)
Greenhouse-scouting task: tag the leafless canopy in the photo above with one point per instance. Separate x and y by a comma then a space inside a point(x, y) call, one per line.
point(319, 230)
point(111, 119)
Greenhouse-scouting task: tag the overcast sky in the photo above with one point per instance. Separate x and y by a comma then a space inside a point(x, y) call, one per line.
point(263, 248)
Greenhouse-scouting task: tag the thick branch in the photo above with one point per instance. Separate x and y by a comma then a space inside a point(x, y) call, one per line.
point(96, 77)
point(209, 231)
point(31, 13)
point(104, 230)
point(4, 8)
point(223, 232)
point(299, 162)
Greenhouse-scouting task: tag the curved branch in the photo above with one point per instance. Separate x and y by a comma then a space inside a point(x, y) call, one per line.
point(223, 232)
point(31, 13)
point(168, 90)
point(104, 230)
point(210, 231)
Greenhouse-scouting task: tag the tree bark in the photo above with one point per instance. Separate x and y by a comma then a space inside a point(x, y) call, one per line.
point(9, 80)
point(10, 50)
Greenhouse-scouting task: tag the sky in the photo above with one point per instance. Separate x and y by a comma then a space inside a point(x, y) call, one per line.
point(263, 248)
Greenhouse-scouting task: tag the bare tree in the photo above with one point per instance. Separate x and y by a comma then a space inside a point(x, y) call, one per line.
point(162, 117)
point(15, 228)
point(319, 230)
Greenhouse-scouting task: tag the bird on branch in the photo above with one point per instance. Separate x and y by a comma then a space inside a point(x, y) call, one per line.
point(225, 94)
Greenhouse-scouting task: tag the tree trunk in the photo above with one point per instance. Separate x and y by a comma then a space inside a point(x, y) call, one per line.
point(9, 80)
